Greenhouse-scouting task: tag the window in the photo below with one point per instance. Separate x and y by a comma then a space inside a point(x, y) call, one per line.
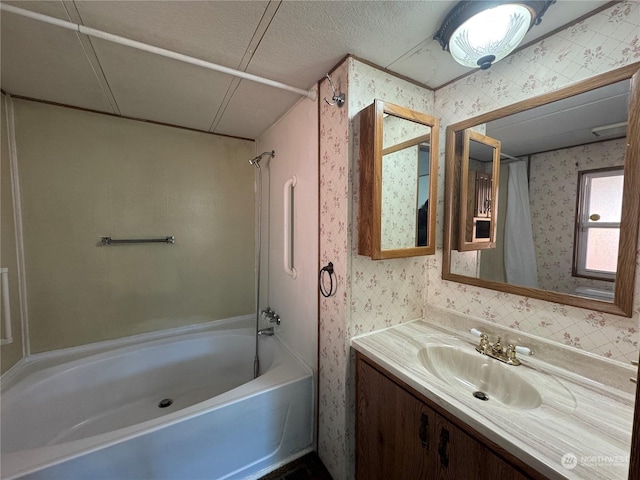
point(598, 223)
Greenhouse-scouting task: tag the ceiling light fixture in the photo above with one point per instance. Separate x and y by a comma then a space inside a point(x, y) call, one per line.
point(480, 33)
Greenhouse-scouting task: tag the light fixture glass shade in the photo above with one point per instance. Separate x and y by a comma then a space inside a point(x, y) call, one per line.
point(490, 35)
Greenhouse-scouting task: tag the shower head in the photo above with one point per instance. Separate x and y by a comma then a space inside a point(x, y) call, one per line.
point(256, 160)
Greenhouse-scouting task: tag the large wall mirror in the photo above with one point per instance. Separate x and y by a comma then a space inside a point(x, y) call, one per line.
point(398, 177)
point(567, 196)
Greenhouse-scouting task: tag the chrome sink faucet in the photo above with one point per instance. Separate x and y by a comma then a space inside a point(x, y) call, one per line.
point(497, 351)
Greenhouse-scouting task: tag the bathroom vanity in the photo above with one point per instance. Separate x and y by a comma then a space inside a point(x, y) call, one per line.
point(417, 416)
point(402, 434)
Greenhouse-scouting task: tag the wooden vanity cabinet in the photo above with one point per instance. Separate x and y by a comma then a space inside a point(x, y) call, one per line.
point(395, 432)
point(400, 436)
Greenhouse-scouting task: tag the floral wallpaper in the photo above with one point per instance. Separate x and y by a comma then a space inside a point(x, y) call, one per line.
point(384, 292)
point(376, 294)
point(371, 294)
point(552, 184)
point(334, 246)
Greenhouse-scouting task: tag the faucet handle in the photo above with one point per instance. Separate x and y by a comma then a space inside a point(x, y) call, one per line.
point(523, 350)
point(510, 353)
point(484, 343)
point(275, 318)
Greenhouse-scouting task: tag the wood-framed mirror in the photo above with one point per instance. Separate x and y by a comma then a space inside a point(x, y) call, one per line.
point(479, 184)
point(547, 143)
point(398, 178)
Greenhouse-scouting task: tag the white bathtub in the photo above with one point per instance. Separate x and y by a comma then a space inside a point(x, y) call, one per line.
point(98, 417)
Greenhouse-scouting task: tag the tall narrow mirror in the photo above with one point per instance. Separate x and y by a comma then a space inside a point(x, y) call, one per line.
point(567, 202)
point(398, 175)
point(480, 176)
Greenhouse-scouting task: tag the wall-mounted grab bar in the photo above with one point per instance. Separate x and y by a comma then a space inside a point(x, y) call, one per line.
point(6, 308)
point(112, 241)
point(288, 230)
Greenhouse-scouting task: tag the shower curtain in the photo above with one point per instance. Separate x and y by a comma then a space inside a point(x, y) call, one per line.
point(519, 255)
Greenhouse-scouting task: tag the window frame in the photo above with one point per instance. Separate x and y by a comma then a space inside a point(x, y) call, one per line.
point(582, 224)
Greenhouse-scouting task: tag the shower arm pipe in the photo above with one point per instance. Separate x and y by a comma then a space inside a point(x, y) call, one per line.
point(288, 230)
point(256, 160)
point(6, 308)
point(92, 32)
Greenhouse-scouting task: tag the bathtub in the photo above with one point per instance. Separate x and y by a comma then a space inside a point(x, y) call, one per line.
point(104, 416)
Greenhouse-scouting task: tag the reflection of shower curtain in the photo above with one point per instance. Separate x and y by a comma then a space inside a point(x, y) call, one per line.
point(519, 255)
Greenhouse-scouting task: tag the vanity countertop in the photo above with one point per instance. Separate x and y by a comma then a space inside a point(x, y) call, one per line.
point(579, 416)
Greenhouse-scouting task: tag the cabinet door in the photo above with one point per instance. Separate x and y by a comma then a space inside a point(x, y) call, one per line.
point(394, 430)
point(459, 456)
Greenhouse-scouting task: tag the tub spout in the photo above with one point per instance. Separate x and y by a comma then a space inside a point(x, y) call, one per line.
point(266, 331)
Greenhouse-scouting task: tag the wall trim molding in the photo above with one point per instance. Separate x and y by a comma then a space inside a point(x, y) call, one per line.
point(17, 219)
point(377, 67)
point(125, 117)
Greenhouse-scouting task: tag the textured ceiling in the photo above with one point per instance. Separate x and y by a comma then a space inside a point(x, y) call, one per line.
point(294, 42)
point(561, 124)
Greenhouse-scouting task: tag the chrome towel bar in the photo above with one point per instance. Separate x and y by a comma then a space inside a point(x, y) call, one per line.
point(112, 241)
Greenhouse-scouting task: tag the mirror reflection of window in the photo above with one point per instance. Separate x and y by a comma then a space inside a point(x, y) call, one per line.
point(598, 223)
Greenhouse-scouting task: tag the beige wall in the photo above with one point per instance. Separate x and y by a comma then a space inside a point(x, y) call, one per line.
point(86, 175)
point(10, 353)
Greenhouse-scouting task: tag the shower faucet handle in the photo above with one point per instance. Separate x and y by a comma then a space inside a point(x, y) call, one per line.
point(271, 315)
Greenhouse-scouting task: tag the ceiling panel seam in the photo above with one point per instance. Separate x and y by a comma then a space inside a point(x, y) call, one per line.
point(92, 57)
point(99, 73)
point(261, 29)
point(231, 90)
point(259, 33)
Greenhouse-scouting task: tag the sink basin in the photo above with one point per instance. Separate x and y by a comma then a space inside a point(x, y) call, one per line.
point(483, 377)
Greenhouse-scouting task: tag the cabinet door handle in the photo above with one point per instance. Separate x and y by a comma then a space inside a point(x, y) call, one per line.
point(424, 431)
point(443, 447)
